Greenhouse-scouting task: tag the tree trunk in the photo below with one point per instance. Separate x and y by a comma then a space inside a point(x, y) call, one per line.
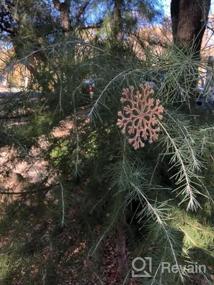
point(117, 19)
point(64, 9)
point(189, 19)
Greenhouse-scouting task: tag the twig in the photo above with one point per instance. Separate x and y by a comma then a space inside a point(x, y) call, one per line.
point(63, 205)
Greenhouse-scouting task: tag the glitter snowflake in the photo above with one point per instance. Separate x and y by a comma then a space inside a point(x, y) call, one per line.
point(140, 115)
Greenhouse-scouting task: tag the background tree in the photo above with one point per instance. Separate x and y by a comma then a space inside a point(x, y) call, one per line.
point(117, 18)
point(189, 20)
point(64, 10)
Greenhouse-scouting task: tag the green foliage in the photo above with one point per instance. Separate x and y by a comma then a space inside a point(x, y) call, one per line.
point(59, 152)
point(40, 124)
point(162, 190)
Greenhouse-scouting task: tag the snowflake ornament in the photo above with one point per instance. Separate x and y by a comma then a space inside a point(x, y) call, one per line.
point(140, 115)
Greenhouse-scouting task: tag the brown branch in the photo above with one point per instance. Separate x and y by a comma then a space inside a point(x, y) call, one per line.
point(95, 26)
point(210, 28)
point(19, 116)
point(82, 10)
point(45, 189)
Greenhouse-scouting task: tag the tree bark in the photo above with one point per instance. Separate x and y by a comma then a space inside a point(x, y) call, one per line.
point(189, 20)
point(117, 19)
point(64, 9)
